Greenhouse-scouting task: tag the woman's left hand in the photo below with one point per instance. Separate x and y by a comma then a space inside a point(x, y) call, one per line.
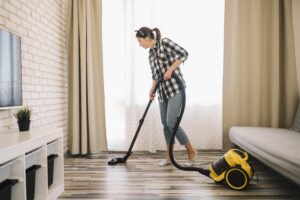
point(168, 74)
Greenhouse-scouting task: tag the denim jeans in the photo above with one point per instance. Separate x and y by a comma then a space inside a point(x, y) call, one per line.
point(169, 110)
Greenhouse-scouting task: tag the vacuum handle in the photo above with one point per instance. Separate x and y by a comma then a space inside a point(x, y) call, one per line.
point(242, 153)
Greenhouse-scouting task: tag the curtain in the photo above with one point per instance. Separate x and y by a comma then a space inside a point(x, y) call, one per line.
point(195, 25)
point(86, 91)
point(259, 79)
point(296, 26)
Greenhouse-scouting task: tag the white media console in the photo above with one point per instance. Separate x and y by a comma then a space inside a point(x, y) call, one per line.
point(21, 150)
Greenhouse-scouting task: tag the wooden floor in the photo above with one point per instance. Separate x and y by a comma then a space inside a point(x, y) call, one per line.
point(141, 178)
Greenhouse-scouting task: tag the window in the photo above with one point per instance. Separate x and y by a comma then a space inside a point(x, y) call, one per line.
point(198, 26)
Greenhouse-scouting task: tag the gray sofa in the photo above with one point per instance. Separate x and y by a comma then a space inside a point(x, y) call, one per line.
point(277, 148)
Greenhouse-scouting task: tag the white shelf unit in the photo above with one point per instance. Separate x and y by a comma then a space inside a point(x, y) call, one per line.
point(20, 150)
point(38, 157)
point(56, 147)
point(13, 169)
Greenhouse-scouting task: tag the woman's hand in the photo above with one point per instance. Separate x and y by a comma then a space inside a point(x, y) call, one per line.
point(168, 74)
point(151, 94)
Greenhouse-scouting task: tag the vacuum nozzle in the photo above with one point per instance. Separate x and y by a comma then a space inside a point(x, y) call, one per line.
point(115, 161)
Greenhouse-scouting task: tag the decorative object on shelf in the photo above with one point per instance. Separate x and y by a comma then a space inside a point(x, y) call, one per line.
point(23, 116)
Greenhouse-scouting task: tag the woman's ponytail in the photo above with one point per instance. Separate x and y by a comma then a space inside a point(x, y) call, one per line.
point(157, 33)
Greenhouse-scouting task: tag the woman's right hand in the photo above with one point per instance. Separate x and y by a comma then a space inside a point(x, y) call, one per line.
point(151, 94)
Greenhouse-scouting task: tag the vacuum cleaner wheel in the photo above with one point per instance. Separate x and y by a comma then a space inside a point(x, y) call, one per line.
point(236, 178)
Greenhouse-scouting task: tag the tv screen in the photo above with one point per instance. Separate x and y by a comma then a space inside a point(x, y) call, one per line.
point(10, 70)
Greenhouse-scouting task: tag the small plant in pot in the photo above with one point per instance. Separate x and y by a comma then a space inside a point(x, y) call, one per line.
point(23, 117)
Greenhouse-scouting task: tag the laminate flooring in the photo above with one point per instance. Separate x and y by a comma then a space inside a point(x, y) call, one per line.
point(90, 178)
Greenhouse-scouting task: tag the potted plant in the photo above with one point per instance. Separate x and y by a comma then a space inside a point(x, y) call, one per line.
point(23, 117)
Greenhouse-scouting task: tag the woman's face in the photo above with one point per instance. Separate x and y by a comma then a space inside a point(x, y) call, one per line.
point(144, 42)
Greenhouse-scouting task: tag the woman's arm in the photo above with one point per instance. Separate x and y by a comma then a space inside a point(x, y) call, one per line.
point(181, 56)
point(174, 48)
point(170, 70)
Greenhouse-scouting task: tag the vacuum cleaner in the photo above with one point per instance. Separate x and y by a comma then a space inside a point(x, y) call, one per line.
point(232, 168)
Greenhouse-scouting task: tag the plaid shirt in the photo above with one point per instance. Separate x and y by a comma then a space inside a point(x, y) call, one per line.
point(161, 57)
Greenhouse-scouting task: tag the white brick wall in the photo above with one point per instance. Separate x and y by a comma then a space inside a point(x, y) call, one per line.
point(42, 27)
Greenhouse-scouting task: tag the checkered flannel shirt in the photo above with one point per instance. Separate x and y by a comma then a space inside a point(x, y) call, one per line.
point(161, 57)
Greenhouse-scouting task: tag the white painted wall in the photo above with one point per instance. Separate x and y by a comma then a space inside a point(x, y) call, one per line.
point(42, 27)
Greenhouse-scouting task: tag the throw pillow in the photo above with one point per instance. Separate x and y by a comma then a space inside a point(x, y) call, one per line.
point(296, 123)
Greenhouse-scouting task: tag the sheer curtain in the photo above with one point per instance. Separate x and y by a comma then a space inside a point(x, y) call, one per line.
point(195, 25)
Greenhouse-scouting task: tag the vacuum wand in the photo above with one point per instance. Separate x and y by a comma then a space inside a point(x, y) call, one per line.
point(115, 161)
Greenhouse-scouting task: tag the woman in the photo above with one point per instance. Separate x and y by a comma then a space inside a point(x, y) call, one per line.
point(165, 57)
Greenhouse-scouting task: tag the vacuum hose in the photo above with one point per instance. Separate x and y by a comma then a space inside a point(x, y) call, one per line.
point(205, 172)
point(232, 167)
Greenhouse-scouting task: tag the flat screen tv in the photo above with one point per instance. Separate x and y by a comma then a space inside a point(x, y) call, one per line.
point(10, 70)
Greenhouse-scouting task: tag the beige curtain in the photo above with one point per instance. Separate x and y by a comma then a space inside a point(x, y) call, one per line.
point(86, 90)
point(259, 83)
point(296, 26)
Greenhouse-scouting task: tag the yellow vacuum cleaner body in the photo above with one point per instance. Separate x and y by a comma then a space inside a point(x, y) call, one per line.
point(233, 168)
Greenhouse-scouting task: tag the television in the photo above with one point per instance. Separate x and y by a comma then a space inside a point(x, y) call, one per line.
point(10, 70)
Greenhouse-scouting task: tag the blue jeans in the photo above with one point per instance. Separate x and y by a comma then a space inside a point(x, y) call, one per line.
point(169, 110)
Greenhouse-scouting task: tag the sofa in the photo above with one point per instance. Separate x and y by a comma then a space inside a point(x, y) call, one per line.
point(278, 148)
